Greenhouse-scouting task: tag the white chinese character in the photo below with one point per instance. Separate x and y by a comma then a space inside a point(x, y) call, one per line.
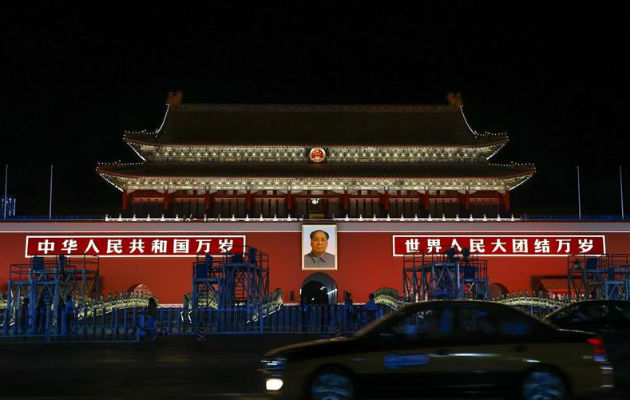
point(226, 245)
point(477, 246)
point(542, 246)
point(586, 245)
point(564, 242)
point(158, 246)
point(454, 244)
point(433, 245)
point(46, 246)
point(412, 245)
point(91, 246)
point(69, 245)
point(114, 246)
point(180, 246)
point(519, 246)
point(203, 246)
point(499, 245)
point(136, 245)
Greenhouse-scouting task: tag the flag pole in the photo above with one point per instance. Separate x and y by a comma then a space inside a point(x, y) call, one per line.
point(621, 191)
point(579, 194)
point(6, 181)
point(50, 195)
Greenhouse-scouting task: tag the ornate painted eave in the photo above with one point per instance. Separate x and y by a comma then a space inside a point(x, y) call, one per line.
point(232, 177)
point(342, 154)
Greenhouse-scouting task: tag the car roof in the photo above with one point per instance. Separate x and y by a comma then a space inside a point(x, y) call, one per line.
point(442, 302)
point(593, 301)
point(586, 302)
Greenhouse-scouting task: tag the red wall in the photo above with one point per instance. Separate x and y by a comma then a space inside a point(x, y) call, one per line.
point(365, 260)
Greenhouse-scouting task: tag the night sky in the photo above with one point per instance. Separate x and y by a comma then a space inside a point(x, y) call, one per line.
point(555, 79)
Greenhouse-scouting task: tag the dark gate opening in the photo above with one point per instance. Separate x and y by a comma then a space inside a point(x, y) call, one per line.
point(319, 288)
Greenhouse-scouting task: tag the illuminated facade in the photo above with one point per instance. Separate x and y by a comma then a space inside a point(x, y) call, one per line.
point(357, 168)
point(315, 162)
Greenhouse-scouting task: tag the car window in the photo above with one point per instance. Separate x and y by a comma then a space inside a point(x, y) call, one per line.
point(592, 312)
point(619, 312)
point(425, 324)
point(477, 321)
point(563, 313)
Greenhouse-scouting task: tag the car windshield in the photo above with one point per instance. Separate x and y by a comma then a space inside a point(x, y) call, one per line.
point(590, 312)
point(380, 324)
point(411, 321)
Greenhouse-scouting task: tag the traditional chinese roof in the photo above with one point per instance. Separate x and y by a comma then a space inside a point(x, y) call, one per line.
point(221, 146)
point(314, 125)
point(203, 175)
point(299, 154)
point(313, 170)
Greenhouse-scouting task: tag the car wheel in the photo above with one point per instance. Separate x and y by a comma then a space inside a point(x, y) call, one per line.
point(332, 384)
point(543, 384)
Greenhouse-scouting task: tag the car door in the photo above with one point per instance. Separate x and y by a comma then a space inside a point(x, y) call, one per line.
point(492, 342)
point(407, 357)
point(615, 331)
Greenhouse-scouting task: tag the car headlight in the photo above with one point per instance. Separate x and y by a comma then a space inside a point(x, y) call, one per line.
point(274, 364)
point(273, 384)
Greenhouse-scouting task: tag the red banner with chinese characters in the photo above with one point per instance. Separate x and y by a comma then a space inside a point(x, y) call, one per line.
point(134, 245)
point(501, 245)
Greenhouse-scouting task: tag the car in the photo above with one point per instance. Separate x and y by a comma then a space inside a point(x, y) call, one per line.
point(443, 347)
point(609, 319)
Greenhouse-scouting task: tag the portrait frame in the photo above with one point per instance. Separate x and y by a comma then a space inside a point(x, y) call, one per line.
point(331, 249)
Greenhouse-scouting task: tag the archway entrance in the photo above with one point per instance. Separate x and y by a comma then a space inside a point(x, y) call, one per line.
point(319, 288)
point(140, 288)
point(497, 290)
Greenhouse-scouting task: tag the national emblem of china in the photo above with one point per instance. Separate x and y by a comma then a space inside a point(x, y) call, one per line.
point(317, 154)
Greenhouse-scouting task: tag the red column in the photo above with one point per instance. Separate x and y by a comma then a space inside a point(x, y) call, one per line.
point(289, 202)
point(207, 203)
point(171, 200)
point(467, 201)
point(506, 201)
point(248, 202)
point(346, 201)
point(125, 200)
point(426, 201)
point(385, 201)
point(166, 204)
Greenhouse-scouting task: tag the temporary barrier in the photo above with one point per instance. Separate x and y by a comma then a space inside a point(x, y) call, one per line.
point(111, 321)
point(603, 277)
point(446, 276)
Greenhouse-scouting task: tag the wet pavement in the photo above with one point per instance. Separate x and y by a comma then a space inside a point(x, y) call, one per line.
point(223, 367)
point(175, 368)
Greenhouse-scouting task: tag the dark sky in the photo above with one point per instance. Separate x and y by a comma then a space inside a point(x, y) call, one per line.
point(555, 79)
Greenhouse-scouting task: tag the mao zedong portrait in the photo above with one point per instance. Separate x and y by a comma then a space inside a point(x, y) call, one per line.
point(318, 257)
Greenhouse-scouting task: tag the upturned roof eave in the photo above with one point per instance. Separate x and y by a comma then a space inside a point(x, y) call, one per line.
point(521, 172)
point(312, 107)
point(132, 138)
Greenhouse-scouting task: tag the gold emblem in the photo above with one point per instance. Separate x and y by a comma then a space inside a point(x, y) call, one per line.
point(317, 155)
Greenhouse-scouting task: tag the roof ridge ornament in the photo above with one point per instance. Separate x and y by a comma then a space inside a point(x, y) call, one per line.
point(455, 99)
point(174, 98)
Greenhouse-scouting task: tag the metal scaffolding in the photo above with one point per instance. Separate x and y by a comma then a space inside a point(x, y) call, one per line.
point(237, 280)
point(36, 290)
point(446, 276)
point(599, 277)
